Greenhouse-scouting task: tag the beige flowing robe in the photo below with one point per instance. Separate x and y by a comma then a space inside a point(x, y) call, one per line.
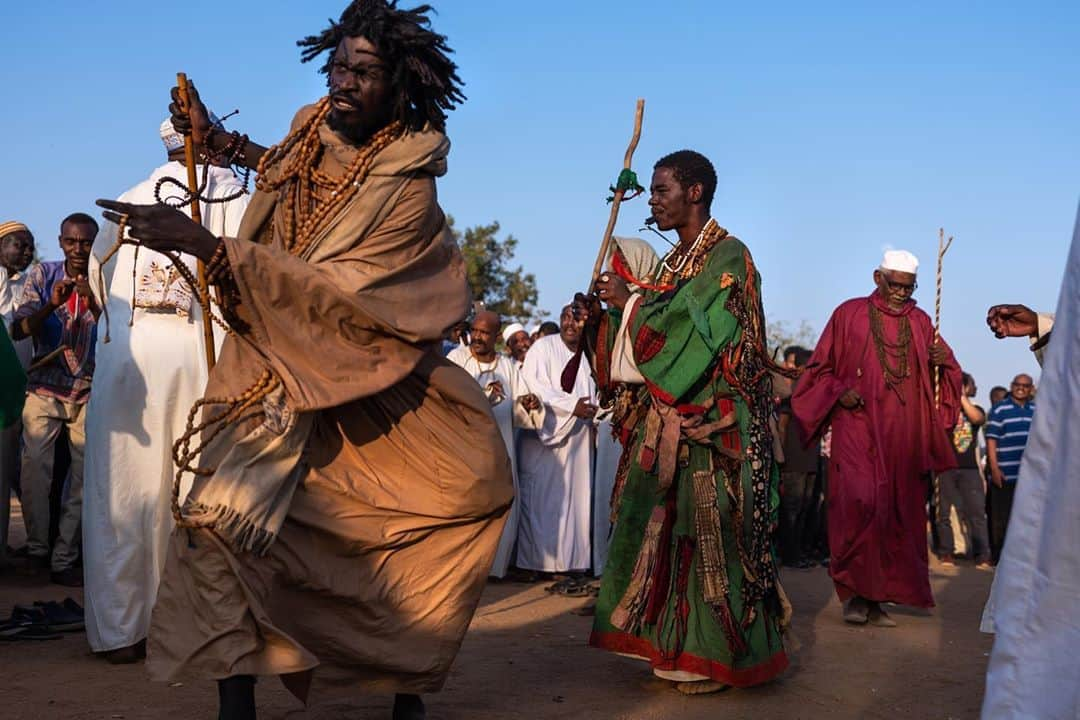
point(351, 535)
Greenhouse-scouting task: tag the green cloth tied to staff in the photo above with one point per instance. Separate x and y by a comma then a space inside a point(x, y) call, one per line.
point(628, 184)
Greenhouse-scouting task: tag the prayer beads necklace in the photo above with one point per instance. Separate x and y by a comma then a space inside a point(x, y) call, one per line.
point(305, 212)
point(674, 265)
point(895, 372)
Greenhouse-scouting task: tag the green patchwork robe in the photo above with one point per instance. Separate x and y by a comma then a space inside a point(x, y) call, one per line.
point(690, 583)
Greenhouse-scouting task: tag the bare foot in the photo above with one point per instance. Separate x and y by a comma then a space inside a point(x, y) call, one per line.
point(700, 687)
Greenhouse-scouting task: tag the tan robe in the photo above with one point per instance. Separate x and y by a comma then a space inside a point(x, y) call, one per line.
point(372, 575)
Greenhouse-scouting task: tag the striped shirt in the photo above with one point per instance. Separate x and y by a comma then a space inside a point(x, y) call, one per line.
point(1009, 424)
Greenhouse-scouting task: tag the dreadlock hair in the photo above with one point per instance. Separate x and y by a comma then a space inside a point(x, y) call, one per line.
point(691, 168)
point(421, 73)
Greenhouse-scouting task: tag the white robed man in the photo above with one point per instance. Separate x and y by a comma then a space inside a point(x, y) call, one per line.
point(639, 260)
point(16, 256)
point(511, 404)
point(148, 375)
point(556, 469)
point(1032, 670)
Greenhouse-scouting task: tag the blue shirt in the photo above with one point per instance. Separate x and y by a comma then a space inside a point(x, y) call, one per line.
point(1009, 424)
point(72, 325)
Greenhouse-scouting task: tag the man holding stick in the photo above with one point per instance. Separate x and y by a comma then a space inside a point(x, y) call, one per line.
point(870, 377)
point(335, 532)
point(690, 583)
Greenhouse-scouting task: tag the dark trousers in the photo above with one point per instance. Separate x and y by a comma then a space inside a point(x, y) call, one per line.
point(963, 489)
point(1001, 501)
point(797, 492)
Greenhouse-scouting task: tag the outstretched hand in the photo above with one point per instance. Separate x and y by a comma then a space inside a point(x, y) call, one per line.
point(195, 121)
point(1012, 321)
point(160, 227)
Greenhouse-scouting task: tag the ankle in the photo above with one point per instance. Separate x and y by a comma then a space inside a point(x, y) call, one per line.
point(236, 698)
point(408, 707)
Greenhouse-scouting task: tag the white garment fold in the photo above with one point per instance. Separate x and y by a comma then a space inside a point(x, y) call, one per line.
point(145, 382)
point(556, 465)
point(508, 414)
point(1036, 592)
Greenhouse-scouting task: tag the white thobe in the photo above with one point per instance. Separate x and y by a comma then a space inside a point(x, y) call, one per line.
point(508, 414)
point(1032, 672)
point(11, 290)
point(146, 380)
point(608, 452)
point(556, 467)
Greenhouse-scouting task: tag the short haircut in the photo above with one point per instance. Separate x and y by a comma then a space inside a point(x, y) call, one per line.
point(548, 328)
point(79, 219)
point(965, 379)
point(421, 73)
point(691, 168)
point(793, 350)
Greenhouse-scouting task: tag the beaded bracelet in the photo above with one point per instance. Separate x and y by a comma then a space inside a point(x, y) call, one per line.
point(219, 261)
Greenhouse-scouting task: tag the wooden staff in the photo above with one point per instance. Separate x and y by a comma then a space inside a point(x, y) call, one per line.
point(605, 244)
point(943, 247)
point(569, 373)
point(196, 215)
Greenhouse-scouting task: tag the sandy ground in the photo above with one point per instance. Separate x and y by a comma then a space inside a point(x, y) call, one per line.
point(525, 657)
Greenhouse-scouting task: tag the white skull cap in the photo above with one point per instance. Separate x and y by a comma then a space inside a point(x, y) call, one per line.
point(900, 261)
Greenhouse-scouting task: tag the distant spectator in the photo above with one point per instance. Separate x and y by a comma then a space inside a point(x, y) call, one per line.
point(547, 328)
point(798, 476)
point(1006, 436)
point(962, 488)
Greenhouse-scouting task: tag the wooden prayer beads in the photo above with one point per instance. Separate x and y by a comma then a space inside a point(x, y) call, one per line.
point(306, 209)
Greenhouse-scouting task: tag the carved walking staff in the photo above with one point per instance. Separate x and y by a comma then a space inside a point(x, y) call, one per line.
point(196, 215)
point(626, 182)
point(943, 247)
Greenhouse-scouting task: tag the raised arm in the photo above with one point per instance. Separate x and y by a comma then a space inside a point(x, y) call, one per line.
point(196, 123)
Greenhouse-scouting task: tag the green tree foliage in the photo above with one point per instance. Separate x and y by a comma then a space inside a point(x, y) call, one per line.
point(509, 291)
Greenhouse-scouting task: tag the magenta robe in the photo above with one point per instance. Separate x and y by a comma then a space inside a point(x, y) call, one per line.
point(881, 452)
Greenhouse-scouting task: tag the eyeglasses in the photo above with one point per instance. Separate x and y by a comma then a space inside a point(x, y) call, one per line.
point(901, 287)
point(1023, 385)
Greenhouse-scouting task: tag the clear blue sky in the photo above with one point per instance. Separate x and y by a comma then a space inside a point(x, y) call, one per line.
point(837, 129)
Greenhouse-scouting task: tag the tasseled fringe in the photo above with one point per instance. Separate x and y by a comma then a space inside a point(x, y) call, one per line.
point(712, 563)
point(237, 530)
point(629, 613)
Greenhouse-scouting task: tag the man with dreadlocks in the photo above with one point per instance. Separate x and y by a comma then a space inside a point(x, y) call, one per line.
point(690, 583)
point(335, 532)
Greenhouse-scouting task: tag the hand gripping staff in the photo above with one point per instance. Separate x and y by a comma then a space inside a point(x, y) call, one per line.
point(196, 215)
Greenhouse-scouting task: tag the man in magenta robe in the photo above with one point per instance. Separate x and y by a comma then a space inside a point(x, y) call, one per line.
point(872, 378)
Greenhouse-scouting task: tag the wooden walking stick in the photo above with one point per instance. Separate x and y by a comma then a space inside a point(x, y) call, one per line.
point(943, 247)
point(196, 215)
point(626, 182)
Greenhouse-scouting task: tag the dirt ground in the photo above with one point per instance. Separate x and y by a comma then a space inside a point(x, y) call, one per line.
point(525, 657)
